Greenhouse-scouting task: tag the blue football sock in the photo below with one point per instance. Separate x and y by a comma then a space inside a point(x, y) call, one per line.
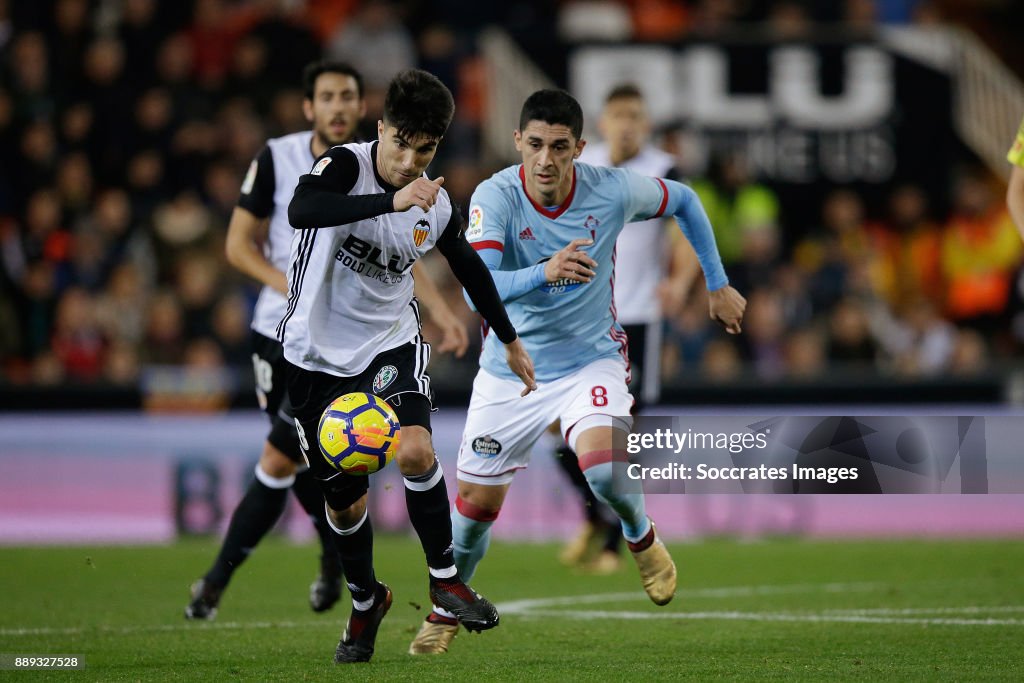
point(471, 538)
point(628, 505)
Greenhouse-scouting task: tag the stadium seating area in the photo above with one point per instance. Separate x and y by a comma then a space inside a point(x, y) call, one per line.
point(126, 127)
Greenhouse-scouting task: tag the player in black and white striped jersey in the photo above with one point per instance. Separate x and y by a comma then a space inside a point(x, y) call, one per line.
point(258, 244)
point(363, 216)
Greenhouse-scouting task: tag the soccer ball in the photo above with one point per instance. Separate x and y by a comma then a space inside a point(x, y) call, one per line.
point(358, 433)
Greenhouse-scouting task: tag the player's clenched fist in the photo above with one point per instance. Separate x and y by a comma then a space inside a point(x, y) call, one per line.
point(519, 362)
point(421, 192)
point(571, 263)
point(727, 307)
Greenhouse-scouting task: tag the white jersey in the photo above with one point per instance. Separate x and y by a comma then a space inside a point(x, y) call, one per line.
point(266, 191)
point(350, 287)
point(636, 282)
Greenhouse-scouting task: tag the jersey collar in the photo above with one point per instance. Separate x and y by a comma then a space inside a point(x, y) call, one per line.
point(561, 208)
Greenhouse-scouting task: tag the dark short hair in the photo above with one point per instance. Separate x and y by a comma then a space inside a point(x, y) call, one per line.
point(314, 70)
point(418, 103)
point(554, 107)
point(623, 91)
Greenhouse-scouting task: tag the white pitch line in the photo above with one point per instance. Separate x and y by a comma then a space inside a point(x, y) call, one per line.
point(158, 628)
point(907, 611)
point(524, 606)
point(541, 607)
point(585, 615)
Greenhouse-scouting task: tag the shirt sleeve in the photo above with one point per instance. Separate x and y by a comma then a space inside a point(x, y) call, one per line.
point(489, 214)
point(1016, 154)
point(512, 284)
point(257, 194)
point(475, 277)
point(644, 197)
point(489, 218)
point(653, 197)
point(322, 196)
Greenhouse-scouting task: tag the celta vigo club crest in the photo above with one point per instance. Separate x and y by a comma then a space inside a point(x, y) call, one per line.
point(420, 232)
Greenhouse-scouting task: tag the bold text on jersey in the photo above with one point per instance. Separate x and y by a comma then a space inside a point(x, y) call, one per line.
point(366, 259)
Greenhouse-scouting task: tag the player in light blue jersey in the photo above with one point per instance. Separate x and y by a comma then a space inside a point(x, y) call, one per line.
point(547, 229)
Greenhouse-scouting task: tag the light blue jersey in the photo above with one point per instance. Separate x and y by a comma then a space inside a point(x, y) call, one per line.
point(566, 325)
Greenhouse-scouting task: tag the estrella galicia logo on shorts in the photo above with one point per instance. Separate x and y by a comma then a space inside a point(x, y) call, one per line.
point(385, 376)
point(486, 446)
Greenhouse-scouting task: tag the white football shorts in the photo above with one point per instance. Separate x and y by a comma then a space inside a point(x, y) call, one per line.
point(502, 426)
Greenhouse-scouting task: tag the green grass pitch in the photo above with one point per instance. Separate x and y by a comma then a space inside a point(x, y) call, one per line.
point(776, 610)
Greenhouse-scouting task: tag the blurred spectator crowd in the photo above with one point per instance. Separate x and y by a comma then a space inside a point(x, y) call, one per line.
point(127, 125)
point(125, 129)
point(905, 294)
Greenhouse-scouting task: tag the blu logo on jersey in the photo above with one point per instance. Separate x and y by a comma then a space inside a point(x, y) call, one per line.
point(365, 252)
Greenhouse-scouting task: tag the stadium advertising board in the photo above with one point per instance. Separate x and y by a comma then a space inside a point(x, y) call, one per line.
point(806, 115)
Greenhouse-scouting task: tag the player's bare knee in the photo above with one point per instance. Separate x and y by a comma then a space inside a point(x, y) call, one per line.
point(413, 461)
point(415, 451)
point(275, 463)
point(350, 516)
point(481, 499)
point(599, 433)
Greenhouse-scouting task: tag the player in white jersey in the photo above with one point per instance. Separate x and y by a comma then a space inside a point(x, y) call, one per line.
point(258, 243)
point(640, 283)
point(547, 230)
point(363, 216)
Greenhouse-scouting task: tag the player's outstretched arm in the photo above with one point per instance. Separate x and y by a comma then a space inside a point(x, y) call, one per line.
point(649, 198)
point(242, 247)
point(726, 305)
point(684, 205)
point(453, 333)
point(322, 198)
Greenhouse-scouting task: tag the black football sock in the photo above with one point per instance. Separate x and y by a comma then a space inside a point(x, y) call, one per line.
point(355, 547)
point(311, 498)
point(255, 515)
point(570, 464)
point(426, 497)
